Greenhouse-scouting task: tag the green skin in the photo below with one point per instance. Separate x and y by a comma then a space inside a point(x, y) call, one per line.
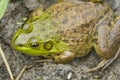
point(48, 42)
point(68, 30)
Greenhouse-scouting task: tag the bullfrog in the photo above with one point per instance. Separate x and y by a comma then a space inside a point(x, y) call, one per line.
point(68, 30)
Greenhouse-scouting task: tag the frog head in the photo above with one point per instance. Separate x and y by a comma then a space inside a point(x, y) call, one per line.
point(38, 38)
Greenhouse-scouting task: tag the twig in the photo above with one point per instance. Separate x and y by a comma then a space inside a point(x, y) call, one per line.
point(6, 63)
point(46, 60)
point(21, 72)
point(8, 44)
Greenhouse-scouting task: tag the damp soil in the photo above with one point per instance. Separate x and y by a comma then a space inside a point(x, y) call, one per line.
point(75, 70)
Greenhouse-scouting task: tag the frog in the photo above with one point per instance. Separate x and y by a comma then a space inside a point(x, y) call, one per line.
point(68, 30)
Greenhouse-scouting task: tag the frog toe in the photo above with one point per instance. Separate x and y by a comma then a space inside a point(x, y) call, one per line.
point(112, 59)
point(105, 62)
point(100, 65)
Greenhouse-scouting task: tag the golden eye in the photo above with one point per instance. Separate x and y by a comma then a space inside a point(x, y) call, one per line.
point(48, 45)
point(33, 42)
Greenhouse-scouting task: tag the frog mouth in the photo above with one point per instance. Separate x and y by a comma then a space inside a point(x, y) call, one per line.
point(19, 47)
point(28, 51)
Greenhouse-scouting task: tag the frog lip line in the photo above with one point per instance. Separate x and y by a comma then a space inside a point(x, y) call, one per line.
point(27, 50)
point(21, 47)
point(30, 51)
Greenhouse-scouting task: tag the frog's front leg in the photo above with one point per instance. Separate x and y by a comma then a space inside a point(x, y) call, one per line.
point(108, 45)
point(64, 57)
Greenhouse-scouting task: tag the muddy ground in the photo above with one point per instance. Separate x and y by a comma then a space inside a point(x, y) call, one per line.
point(13, 18)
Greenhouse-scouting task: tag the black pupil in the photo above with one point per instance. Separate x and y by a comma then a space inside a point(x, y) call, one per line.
point(35, 44)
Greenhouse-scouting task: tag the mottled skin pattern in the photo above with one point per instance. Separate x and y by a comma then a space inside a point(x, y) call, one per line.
point(72, 22)
point(76, 21)
point(72, 27)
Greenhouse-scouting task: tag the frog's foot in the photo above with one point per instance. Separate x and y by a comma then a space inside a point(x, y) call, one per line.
point(100, 65)
point(113, 59)
point(64, 57)
point(105, 63)
point(37, 12)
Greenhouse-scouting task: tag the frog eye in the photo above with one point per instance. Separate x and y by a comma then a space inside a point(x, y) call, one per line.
point(27, 28)
point(33, 42)
point(34, 45)
point(48, 45)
